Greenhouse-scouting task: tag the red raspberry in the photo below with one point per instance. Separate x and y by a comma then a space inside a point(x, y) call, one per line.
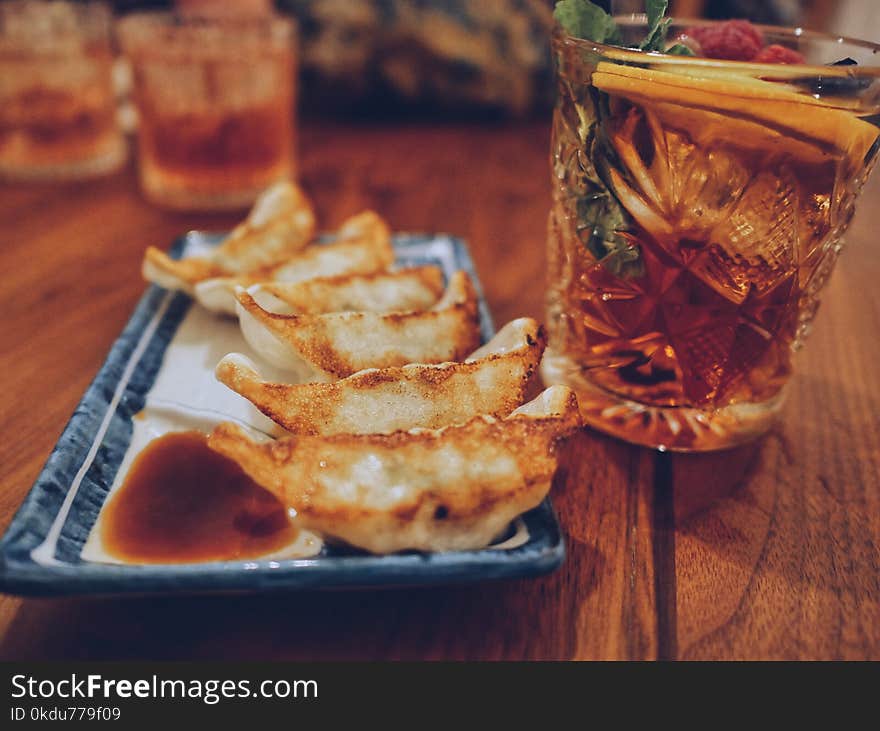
point(732, 40)
point(779, 54)
point(741, 25)
point(750, 30)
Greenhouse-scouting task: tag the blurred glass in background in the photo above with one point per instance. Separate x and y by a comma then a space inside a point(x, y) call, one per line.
point(217, 104)
point(215, 98)
point(57, 106)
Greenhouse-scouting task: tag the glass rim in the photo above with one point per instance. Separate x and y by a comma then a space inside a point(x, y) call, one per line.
point(133, 29)
point(81, 7)
point(92, 21)
point(560, 35)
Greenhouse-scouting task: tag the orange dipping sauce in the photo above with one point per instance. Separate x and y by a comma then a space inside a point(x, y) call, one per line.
point(183, 503)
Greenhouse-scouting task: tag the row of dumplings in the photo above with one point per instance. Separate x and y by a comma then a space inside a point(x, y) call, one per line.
point(404, 432)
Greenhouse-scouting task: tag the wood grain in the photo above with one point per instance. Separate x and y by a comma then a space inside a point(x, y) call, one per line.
point(766, 551)
point(786, 564)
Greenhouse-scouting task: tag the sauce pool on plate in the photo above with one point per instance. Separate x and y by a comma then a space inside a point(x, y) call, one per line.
point(183, 503)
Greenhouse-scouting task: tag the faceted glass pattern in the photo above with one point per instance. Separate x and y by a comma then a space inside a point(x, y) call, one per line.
point(697, 212)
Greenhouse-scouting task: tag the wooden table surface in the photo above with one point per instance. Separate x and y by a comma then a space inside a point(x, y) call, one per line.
point(768, 551)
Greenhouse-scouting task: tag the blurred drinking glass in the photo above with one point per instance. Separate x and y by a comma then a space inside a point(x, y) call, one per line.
point(215, 100)
point(57, 107)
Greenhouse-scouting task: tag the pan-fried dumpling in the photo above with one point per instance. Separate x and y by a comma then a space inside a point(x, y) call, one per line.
point(363, 246)
point(335, 345)
point(492, 381)
point(281, 223)
point(455, 488)
point(417, 288)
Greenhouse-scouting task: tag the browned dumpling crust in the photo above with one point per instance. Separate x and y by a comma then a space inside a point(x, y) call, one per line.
point(362, 246)
point(455, 488)
point(281, 222)
point(336, 345)
point(416, 288)
point(493, 381)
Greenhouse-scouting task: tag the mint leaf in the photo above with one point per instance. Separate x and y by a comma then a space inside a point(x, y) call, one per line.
point(582, 19)
point(679, 49)
point(658, 25)
point(655, 10)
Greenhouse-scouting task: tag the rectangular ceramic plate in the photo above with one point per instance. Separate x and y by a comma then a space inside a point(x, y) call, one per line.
point(41, 552)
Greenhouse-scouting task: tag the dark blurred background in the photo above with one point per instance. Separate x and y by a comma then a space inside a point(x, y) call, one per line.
point(474, 57)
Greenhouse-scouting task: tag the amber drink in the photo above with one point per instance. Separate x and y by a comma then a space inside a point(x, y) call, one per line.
point(215, 101)
point(697, 213)
point(57, 106)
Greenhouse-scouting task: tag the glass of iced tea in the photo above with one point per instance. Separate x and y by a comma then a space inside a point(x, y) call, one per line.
point(698, 209)
point(215, 100)
point(57, 106)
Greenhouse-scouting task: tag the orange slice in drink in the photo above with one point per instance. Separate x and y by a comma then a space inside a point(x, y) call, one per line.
point(746, 111)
